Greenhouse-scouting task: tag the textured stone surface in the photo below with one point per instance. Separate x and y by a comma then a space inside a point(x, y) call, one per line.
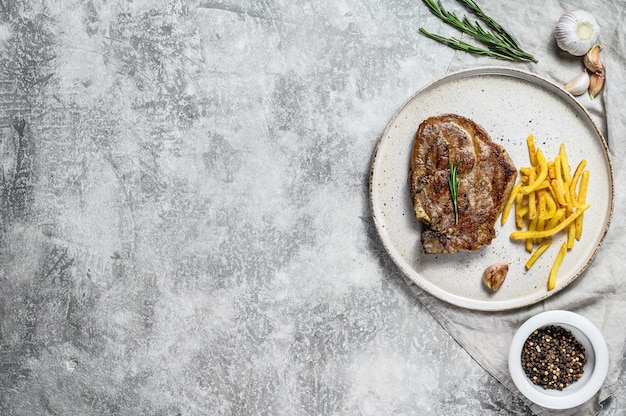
point(185, 226)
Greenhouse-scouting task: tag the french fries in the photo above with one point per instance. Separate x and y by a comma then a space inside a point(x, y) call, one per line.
point(550, 198)
point(535, 234)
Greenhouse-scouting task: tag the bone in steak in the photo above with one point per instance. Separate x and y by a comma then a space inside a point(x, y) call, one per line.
point(486, 173)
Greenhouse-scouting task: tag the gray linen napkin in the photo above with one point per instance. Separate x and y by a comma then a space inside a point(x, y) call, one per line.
point(599, 293)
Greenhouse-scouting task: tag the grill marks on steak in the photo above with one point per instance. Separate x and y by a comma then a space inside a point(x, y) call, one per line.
point(487, 175)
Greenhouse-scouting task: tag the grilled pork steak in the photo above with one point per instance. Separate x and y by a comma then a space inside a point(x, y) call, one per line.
point(486, 176)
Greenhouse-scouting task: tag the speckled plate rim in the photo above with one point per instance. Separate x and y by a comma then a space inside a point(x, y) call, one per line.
point(376, 203)
point(565, 399)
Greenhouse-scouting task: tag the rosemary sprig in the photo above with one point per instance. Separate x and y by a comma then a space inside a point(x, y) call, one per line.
point(464, 46)
point(453, 183)
point(500, 44)
point(499, 30)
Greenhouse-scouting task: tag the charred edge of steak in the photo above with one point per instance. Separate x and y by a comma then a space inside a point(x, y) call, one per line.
point(436, 242)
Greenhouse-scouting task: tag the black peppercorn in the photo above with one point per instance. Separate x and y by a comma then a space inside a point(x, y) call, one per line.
point(553, 358)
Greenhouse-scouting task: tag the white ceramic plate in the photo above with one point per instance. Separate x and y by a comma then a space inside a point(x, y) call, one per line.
point(509, 104)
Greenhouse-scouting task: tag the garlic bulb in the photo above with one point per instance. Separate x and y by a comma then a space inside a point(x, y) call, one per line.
point(576, 32)
point(579, 84)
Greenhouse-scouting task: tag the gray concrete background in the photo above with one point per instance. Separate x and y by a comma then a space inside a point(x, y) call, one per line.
point(185, 226)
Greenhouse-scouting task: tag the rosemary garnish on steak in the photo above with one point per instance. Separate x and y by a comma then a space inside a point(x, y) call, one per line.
point(453, 183)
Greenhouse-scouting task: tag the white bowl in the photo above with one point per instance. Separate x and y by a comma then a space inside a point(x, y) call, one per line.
point(594, 371)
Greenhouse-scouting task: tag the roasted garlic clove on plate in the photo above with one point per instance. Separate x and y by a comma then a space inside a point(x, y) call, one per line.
point(495, 274)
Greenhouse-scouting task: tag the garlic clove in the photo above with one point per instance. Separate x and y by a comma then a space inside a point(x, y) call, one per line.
point(494, 275)
point(579, 84)
point(596, 83)
point(592, 59)
point(576, 32)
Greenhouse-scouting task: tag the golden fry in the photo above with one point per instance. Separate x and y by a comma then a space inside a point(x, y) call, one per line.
point(524, 179)
point(532, 198)
point(550, 205)
point(543, 185)
point(551, 172)
point(550, 190)
point(574, 182)
point(541, 225)
point(582, 198)
point(555, 267)
point(564, 164)
point(532, 149)
point(559, 192)
point(555, 219)
point(579, 228)
point(584, 183)
point(571, 235)
point(533, 258)
point(532, 227)
point(541, 197)
point(558, 168)
point(509, 203)
point(543, 173)
point(559, 183)
point(577, 172)
point(563, 179)
point(569, 206)
point(520, 212)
